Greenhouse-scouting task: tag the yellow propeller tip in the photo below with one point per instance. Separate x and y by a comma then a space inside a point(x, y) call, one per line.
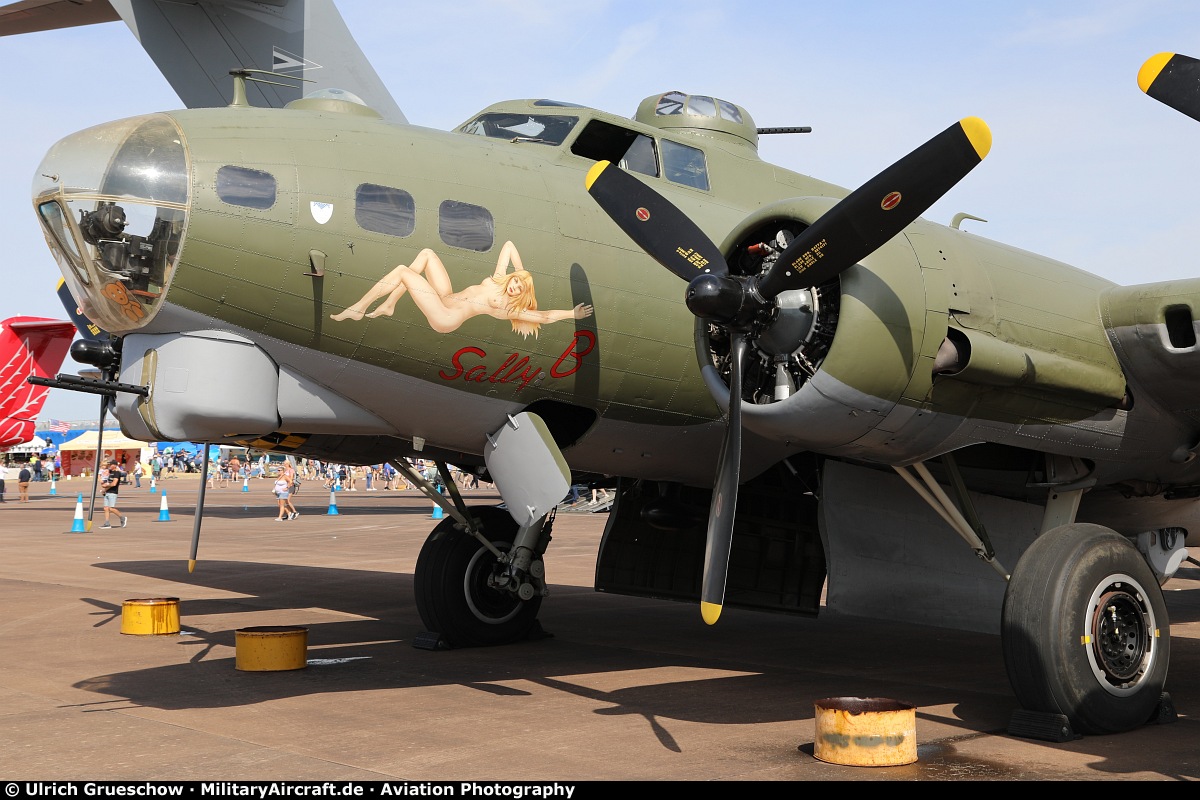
point(979, 134)
point(594, 173)
point(710, 611)
point(1150, 70)
point(191, 565)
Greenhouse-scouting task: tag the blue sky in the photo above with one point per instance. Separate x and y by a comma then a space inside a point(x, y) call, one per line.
point(1084, 168)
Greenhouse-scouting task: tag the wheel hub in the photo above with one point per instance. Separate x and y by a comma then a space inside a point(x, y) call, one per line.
point(1121, 630)
point(489, 603)
point(1120, 640)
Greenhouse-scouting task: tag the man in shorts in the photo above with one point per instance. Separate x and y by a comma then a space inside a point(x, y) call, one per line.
point(111, 486)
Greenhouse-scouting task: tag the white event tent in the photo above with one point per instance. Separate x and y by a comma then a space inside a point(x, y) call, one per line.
point(78, 455)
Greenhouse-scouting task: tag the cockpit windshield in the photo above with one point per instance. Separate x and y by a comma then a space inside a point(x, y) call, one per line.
point(537, 128)
point(112, 200)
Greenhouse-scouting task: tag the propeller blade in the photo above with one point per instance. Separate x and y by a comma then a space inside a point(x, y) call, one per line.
point(725, 492)
point(1174, 80)
point(87, 329)
point(879, 209)
point(658, 227)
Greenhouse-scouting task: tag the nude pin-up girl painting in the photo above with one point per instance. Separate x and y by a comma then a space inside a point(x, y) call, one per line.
point(503, 295)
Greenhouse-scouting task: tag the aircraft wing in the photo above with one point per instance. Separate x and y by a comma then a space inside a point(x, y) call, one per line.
point(196, 44)
point(28, 346)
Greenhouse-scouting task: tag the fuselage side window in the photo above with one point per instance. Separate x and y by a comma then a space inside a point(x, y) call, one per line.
point(468, 226)
point(684, 165)
point(241, 186)
point(383, 209)
point(630, 150)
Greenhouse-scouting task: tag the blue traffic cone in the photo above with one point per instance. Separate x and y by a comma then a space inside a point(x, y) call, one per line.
point(332, 504)
point(77, 526)
point(153, 490)
point(163, 514)
point(246, 484)
point(53, 485)
point(438, 512)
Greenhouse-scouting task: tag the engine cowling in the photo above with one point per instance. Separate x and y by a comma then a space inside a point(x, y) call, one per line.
point(889, 361)
point(833, 361)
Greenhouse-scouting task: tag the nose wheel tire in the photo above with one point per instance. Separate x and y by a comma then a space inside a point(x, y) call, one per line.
point(1085, 631)
point(455, 597)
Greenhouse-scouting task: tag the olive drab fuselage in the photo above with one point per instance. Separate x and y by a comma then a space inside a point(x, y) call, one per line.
point(1035, 362)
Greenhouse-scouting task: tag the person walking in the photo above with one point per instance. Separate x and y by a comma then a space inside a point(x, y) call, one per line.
point(4, 473)
point(282, 490)
point(137, 474)
point(112, 486)
point(289, 477)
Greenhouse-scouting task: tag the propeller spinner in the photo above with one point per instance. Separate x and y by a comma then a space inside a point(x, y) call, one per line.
point(857, 226)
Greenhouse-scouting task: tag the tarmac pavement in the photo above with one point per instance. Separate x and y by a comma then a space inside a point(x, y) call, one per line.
point(622, 689)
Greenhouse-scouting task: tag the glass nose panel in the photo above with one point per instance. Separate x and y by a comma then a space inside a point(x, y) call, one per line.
point(113, 201)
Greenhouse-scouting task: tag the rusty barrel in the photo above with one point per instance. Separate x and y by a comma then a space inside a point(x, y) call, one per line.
point(865, 731)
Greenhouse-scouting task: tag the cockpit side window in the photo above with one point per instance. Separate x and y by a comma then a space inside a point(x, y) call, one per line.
point(549, 129)
point(241, 186)
point(630, 150)
point(684, 165)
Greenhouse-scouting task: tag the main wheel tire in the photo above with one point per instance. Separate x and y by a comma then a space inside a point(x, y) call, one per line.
point(1085, 631)
point(453, 597)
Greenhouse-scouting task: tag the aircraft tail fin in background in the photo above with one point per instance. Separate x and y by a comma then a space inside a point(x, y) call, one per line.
point(196, 44)
point(28, 346)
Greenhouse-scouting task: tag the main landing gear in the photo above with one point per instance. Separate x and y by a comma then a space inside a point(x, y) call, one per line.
point(1084, 626)
point(1085, 631)
point(473, 594)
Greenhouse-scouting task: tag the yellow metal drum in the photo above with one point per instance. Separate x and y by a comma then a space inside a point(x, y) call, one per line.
point(865, 731)
point(271, 648)
point(153, 616)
